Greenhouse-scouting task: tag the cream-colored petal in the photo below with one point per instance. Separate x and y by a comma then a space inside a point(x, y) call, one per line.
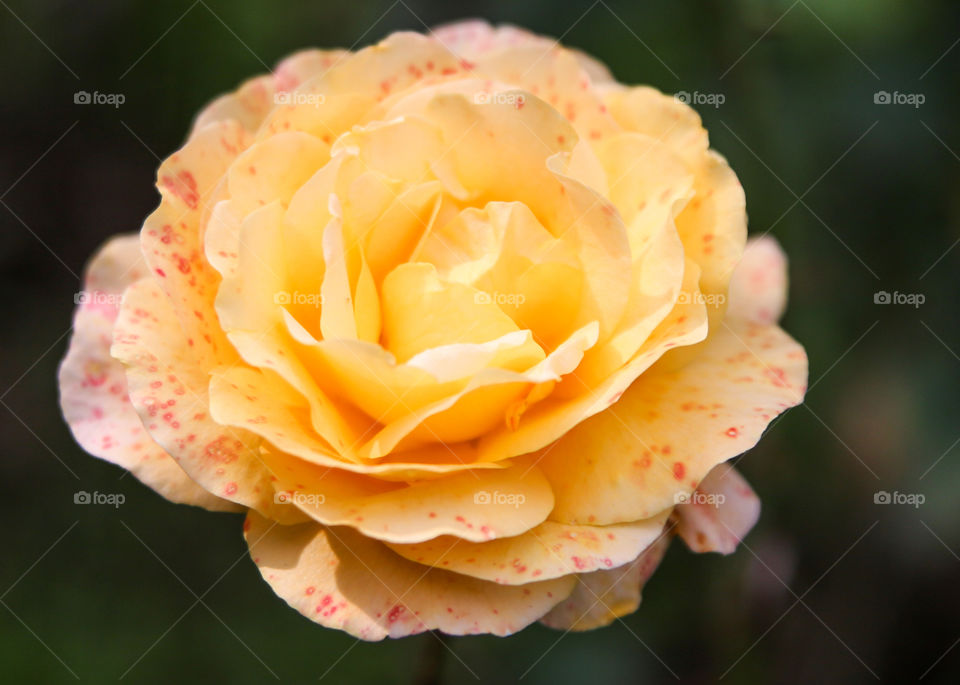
point(551, 550)
point(602, 597)
point(343, 580)
point(720, 513)
point(671, 427)
point(93, 385)
point(758, 288)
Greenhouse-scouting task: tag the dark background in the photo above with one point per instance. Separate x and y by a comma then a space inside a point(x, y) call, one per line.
point(830, 586)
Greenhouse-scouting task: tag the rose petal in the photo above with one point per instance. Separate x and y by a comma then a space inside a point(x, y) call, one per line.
point(460, 504)
point(602, 597)
point(551, 550)
point(168, 389)
point(723, 510)
point(671, 427)
point(758, 289)
point(93, 385)
point(340, 579)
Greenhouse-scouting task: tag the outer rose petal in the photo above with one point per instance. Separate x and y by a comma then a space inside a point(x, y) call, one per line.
point(671, 427)
point(93, 386)
point(550, 550)
point(758, 288)
point(602, 597)
point(340, 579)
point(168, 388)
point(719, 527)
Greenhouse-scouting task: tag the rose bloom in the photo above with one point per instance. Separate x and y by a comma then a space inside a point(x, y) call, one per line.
point(464, 326)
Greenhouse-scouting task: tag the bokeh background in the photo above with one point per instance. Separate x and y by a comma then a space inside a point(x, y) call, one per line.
point(830, 587)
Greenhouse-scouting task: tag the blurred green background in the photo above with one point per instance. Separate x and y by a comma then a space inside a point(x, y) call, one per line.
point(831, 587)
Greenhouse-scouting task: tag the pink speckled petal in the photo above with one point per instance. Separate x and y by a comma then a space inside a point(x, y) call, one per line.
point(720, 513)
point(476, 506)
point(168, 388)
point(93, 386)
point(758, 288)
point(550, 550)
point(602, 597)
point(248, 106)
point(342, 580)
point(671, 427)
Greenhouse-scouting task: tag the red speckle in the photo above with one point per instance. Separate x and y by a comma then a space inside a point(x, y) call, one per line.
point(679, 470)
point(230, 489)
point(311, 590)
point(395, 614)
point(732, 432)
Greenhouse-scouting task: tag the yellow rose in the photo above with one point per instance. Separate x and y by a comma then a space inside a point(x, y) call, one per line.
point(413, 310)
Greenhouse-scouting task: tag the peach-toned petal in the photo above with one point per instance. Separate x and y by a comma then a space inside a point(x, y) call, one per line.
point(171, 238)
point(671, 427)
point(413, 512)
point(343, 580)
point(573, 401)
point(264, 404)
point(713, 228)
point(550, 550)
point(93, 385)
point(248, 106)
point(720, 513)
point(602, 597)
point(758, 288)
point(168, 389)
point(646, 110)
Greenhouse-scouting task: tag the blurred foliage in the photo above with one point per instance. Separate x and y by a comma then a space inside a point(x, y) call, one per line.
point(862, 196)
